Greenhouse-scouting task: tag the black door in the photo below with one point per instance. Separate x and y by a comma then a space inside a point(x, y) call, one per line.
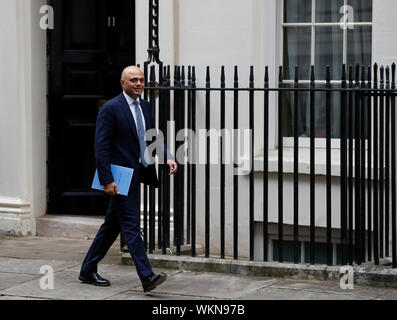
point(92, 41)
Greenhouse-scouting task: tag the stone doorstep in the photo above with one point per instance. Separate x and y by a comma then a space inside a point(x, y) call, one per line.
point(69, 226)
point(79, 227)
point(366, 274)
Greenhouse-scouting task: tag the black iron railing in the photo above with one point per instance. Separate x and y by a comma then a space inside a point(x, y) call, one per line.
point(367, 163)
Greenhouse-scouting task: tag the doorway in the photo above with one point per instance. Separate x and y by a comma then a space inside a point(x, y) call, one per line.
point(92, 41)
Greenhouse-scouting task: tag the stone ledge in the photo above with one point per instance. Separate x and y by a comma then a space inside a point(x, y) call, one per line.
point(17, 224)
point(370, 275)
point(78, 227)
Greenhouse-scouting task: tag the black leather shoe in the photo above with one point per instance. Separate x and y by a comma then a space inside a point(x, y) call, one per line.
point(93, 278)
point(153, 281)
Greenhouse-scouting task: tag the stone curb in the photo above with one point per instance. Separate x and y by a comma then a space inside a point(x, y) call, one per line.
point(369, 275)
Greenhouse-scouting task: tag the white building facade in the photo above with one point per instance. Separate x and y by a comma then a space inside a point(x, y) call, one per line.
point(204, 33)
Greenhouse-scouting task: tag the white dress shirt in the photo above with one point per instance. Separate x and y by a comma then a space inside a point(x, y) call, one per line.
point(130, 102)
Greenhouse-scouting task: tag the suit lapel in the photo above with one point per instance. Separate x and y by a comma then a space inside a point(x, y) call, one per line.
point(128, 114)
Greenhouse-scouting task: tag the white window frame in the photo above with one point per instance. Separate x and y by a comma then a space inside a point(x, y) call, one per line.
point(304, 142)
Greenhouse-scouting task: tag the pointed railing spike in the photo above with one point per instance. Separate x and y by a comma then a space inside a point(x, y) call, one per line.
point(328, 74)
point(266, 74)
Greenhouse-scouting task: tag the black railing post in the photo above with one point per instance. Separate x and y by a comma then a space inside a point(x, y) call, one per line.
point(188, 165)
point(162, 130)
point(169, 143)
point(296, 167)
point(357, 171)
point(393, 166)
point(387, 163)
point(152, 213)
point(312, 167)
point(381, 162)
point(362, 163)
point(223, 172)
point(167, 139)
point(369, 166)
point(181, 170)
point(177, 179)
point(376, 167)
point(194, 157)
point(153, 56)
point(328, 165)
point(235, 164)
point(351, 141)
point(280, 166)
point(343, 176)
point(251, 179)
point(162, 164)
point(266, 166)
point(145, 187)
point(207, 164)
point(145, 215)
point(166, 179)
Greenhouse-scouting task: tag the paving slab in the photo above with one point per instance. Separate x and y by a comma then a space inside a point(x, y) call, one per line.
point(18, 298)
point(21, 259)
point(43, 244)
point(153, 295)
point(29, 266)
point(53, 248)
point(331, 287)
point(8, 280)
point(390, 295)
point(271, 293)
point(117, 269)
point(212, 285)
point(68, 287)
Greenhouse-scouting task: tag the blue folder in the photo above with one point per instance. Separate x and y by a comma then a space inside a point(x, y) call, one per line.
point(122, 177)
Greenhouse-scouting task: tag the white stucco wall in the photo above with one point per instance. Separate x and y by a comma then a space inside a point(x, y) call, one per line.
point(22, 116)
point(384, 46)
point(384, 36)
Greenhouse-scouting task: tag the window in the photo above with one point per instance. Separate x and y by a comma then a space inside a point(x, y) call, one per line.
point(321, 33)
point(320, 252)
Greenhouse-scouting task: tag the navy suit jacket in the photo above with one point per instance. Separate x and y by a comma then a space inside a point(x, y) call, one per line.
point(116, 141)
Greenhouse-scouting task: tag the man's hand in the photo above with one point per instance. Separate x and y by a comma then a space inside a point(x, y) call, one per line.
point(111, 189)
point(173, 166)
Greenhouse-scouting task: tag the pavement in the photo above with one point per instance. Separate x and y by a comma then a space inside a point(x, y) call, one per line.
point(25, 263)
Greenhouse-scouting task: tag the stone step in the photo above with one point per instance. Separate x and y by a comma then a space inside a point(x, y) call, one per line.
point(366, 275)
point(78, 227)
point(185, 251)
point(68, 226)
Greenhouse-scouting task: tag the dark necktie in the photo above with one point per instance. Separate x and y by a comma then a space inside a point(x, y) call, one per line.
point(141, 132)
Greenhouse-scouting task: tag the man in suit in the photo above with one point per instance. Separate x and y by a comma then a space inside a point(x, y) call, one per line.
point(119, 139)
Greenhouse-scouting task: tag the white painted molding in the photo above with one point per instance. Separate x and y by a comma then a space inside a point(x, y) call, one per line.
point(14, 205)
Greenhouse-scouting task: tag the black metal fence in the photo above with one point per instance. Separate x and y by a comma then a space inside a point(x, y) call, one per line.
point(366, 97)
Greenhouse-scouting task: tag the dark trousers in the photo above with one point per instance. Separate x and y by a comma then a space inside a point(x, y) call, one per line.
point(122, 215)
